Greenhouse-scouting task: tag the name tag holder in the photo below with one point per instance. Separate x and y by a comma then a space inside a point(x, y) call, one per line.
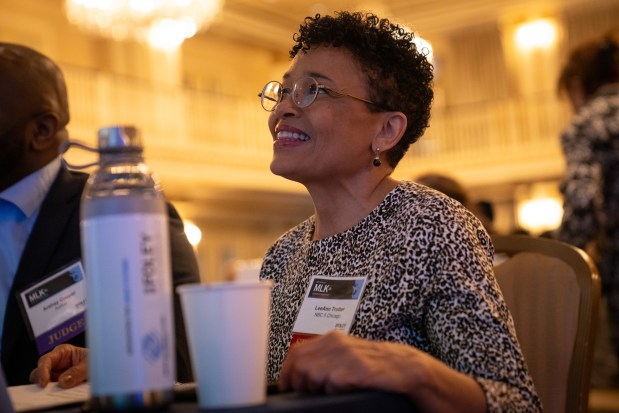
point(53, 308)
point(329, 304)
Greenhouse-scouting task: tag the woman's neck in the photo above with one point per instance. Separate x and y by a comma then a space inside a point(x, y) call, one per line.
point(340, 207)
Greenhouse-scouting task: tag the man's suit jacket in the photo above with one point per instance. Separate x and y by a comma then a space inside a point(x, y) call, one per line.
point(55, 242)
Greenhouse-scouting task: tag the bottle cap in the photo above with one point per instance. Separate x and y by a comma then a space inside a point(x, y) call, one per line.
point(119, 138)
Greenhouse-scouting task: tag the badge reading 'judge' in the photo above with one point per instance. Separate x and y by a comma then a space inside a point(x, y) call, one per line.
point(54, 307)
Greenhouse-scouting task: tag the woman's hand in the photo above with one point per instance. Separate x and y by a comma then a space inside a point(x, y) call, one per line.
point(337, 362)
point(66, 364)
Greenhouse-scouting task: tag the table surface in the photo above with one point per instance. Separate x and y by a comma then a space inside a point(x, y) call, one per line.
point(362, 401)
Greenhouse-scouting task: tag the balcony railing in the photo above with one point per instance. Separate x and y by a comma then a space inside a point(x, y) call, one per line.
point(192, 133)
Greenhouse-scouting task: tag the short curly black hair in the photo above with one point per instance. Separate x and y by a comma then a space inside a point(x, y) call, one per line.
point(399, 74)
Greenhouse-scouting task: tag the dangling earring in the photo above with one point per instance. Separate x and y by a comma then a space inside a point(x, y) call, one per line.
point(376, 161)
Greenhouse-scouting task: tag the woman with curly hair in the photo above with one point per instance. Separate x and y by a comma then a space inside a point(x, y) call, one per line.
point(430, 321)
point(404, 270)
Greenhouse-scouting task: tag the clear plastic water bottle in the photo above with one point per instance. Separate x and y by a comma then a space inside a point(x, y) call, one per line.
point(126, 250)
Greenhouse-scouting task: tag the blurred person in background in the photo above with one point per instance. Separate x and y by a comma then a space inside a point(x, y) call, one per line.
point(454, 189)
point(590, 143)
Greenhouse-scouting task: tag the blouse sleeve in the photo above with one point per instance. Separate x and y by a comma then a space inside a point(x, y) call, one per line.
point(469, 324)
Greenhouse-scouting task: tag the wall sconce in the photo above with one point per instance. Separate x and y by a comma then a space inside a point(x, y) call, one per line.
point(537, 215)
point(193, 233)
point(536, 34)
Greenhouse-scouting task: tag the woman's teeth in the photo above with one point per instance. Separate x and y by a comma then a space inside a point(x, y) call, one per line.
point(292, 135)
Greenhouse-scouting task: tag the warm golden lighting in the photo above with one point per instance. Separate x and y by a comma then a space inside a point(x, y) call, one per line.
point(163, 23)
point(193, 233)
point(424, 47)
point(536, 34)
point(540, 214)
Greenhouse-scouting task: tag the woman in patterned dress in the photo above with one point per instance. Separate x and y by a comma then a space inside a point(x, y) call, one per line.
point(431, 322)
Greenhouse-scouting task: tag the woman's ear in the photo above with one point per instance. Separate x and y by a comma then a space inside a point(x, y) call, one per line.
point(392, 130)
point(45, 132)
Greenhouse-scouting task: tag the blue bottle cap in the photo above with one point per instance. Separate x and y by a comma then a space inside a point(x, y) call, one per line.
point(119, 138)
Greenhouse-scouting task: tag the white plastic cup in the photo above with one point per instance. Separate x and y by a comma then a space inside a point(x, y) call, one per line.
point(227, 328)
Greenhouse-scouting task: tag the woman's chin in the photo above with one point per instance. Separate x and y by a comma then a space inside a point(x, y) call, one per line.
point(288, 170)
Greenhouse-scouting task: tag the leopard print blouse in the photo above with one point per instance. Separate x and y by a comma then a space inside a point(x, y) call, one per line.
point(430, 284)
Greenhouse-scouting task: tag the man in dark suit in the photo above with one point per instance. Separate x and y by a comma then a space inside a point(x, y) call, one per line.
point(39, 204)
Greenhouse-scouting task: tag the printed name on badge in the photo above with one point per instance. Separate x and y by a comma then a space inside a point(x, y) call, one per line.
point(54, 307)
point(330, 304)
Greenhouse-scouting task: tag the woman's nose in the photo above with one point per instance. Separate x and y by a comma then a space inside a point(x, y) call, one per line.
point(286, 107)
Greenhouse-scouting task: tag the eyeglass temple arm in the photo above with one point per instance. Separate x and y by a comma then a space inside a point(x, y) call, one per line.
point(335, 92)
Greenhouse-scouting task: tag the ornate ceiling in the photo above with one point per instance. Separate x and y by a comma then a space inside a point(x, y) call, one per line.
point(270, 23)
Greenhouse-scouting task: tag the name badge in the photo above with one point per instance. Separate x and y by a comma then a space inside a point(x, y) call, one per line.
point(329, 304)
point(54, 307)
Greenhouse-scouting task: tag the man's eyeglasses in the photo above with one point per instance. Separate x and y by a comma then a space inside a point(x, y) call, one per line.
point(303, 93)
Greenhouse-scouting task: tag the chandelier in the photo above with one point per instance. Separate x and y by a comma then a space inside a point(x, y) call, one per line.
point(162, 23)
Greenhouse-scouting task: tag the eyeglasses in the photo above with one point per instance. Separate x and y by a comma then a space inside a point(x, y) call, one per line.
point(303, 93)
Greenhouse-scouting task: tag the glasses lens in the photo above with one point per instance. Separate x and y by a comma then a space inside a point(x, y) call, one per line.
point(305, 91)
point(271, 95)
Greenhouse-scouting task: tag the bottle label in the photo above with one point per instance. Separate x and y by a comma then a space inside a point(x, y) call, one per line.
point(129, 321)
